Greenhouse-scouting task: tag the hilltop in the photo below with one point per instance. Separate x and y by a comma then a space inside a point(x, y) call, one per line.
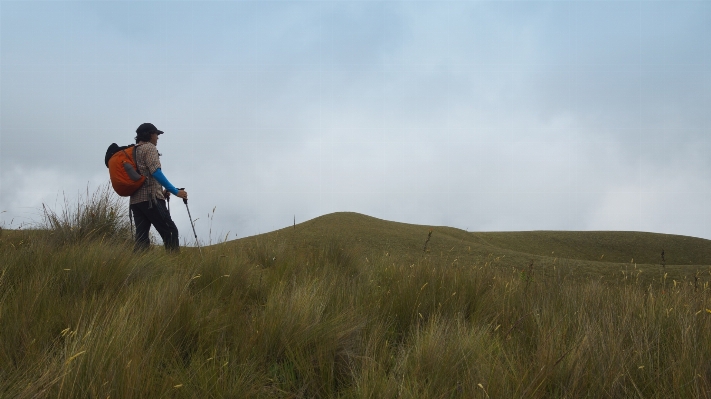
point(590, 251)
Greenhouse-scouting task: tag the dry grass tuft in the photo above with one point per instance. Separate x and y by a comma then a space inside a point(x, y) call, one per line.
point(101, 215)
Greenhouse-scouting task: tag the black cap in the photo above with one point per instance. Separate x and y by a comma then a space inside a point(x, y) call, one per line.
point(147, 128)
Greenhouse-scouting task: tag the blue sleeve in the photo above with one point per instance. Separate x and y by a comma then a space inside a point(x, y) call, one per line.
point(158, 175)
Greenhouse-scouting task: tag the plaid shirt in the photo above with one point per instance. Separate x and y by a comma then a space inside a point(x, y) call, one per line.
point(148, 162)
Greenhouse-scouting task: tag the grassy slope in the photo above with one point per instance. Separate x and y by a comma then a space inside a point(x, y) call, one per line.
point(607, 246)
point(289, 314)
point(596, 253)
point(591, 253)
point(365, 234)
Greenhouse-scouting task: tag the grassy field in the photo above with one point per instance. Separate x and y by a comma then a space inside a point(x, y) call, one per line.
point(349, 306)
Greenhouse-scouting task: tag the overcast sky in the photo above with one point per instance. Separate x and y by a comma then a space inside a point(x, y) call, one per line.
point(480, 115)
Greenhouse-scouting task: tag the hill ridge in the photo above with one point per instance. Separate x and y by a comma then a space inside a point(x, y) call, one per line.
point(368, 233)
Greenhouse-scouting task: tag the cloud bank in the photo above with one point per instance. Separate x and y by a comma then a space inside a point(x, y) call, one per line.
point(479, 115)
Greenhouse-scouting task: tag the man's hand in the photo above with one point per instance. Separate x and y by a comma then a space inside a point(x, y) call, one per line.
point(166, 194)
point(182, 194)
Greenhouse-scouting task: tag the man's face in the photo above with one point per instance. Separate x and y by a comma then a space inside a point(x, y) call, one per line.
point(154, 139)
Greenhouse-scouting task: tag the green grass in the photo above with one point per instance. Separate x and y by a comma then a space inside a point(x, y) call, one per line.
point(348, 306)
point(605, 255)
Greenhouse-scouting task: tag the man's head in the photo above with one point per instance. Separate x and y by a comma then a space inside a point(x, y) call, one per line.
point(147, 132)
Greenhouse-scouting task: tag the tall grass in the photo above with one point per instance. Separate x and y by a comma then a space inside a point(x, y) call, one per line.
point(101, 214)
point(275, 319)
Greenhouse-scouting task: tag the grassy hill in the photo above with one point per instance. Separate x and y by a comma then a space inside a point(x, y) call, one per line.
point(350, 306)
point(366, 235)
point(600, 253)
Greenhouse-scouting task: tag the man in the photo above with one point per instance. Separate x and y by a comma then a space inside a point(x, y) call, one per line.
point(148, 202)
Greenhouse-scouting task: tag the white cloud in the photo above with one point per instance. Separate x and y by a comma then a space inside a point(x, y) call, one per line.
point(23, 191)
point(483, 115)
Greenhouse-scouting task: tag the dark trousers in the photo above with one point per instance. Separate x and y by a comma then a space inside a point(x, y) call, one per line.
point(154, 213)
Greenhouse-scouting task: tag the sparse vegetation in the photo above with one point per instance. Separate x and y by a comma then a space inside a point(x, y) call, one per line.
point(309, 316)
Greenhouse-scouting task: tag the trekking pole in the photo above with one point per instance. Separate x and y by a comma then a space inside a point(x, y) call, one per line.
point(185, 201)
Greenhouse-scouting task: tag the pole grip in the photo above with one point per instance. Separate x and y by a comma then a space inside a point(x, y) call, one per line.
point(185, 200)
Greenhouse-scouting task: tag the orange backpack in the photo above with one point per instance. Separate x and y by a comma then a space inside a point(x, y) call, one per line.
point(123, 169)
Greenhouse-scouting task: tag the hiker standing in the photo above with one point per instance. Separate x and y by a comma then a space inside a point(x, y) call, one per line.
point(148, 202)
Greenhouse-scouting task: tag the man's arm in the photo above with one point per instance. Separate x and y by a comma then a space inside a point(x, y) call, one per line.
point(160, 177)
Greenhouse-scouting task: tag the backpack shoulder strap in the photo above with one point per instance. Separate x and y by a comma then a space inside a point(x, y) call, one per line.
point(135, 158)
